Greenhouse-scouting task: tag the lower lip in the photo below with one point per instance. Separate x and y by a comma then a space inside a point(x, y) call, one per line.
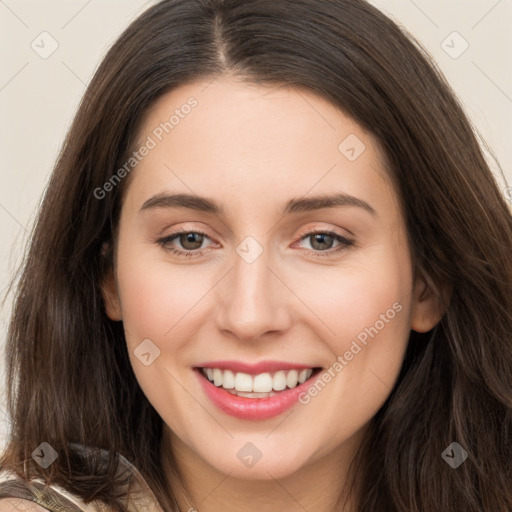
point(252, 408)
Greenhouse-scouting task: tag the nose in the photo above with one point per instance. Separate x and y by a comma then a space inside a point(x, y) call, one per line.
point(253, 300)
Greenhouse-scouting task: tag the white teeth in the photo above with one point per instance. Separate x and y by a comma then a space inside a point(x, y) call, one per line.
point(228, 379)
point(243, 382)
point(257, 386)
point(262, 383)
point(303, 376)
point(279, 381)
point(251, 395)
point(217, 377)
point(292, 378)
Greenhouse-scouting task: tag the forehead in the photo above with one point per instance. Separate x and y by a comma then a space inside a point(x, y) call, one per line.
point(239, 140)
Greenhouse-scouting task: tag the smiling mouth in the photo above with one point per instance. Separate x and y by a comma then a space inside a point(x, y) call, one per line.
point(263, 385)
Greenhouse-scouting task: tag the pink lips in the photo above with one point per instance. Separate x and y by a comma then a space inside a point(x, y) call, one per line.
point(252, 408)
point(253, 369)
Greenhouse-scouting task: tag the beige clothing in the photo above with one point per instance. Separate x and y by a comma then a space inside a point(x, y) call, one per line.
point(139, 498)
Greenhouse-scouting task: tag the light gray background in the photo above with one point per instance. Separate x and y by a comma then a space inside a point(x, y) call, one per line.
point(38, 96)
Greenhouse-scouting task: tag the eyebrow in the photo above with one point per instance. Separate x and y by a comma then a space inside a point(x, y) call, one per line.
point(297, 205)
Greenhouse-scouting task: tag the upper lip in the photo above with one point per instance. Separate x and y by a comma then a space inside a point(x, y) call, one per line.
point(254, 368)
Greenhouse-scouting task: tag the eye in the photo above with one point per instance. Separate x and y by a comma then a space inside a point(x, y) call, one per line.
point(321, 242)
point(191, 241)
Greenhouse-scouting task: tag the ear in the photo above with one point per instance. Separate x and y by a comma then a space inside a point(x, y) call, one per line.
point(429, 306)
point(110, 294)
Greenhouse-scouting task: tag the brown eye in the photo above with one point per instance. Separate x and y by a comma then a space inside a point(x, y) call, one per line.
point(321, 241)
point(184, 243)
point(190, 241)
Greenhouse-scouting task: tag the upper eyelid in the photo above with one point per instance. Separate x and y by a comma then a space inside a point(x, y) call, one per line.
point(320, 229)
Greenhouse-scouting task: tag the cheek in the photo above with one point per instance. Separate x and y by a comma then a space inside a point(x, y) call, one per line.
point(373, 291)
point(156, 300)
point(369, 310)
point(157, 305)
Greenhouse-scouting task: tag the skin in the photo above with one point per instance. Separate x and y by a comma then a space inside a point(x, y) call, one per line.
point(252, 148)
point(16, 504)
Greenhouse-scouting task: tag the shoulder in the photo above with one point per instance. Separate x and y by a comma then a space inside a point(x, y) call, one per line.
point(29, 495)
point(19, 495)
point(19, 505)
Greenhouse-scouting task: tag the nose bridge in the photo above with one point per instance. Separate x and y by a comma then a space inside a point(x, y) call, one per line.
point(254, 300)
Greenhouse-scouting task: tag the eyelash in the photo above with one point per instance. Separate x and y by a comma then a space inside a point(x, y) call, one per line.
point(345, 243)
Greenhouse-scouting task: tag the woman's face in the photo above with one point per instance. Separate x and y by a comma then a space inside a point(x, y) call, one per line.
point(258, 285)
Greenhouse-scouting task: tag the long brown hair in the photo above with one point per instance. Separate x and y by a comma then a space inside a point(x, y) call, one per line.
point(69, 375)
